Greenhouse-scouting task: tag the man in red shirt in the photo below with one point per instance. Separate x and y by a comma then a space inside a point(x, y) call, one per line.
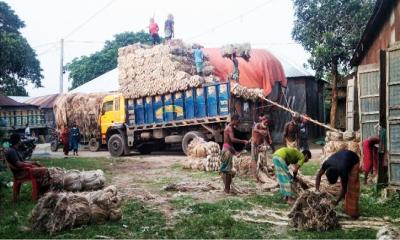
point(153, 30)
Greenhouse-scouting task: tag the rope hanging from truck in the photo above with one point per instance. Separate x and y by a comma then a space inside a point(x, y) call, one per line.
point(301, 115)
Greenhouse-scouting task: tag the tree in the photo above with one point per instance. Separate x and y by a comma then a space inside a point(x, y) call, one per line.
point(18, 62)
point(86, 68)
point(330, 31)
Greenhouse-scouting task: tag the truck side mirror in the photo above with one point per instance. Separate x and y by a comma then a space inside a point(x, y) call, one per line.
point(103, 111)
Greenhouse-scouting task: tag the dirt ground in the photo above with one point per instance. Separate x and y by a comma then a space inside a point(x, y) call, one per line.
point(144, 178)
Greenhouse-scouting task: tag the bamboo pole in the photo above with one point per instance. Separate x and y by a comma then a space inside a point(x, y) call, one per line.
point(301, 115)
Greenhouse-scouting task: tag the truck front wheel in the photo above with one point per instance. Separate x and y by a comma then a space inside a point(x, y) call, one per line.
point(94, 145)
point(189, 136)
point(116, 145)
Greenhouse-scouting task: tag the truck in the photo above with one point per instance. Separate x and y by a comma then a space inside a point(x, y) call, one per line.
point(152, 123)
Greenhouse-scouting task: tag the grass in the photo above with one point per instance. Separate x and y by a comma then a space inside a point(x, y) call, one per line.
point(310, 168)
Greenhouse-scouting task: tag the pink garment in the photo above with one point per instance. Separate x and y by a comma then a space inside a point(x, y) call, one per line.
point(370, 154)
point(153, 28)
point(230, 148)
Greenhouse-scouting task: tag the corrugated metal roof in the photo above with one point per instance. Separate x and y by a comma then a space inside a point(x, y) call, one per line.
point(9, 102)
point(20, 99)
point(108, 82)
point(293, 70)
point(43, 101)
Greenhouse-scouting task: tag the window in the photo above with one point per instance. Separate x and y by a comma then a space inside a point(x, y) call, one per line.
point(116, 104)
point(107, 106)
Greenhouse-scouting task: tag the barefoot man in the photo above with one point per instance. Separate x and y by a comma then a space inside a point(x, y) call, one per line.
point(228, 151)
point(259, 136)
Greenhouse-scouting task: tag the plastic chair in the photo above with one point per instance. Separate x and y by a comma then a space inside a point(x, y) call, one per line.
point(17, 182)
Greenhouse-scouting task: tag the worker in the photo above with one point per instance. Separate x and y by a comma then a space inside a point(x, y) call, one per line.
point(344, 164)
point(153, 30)
point(228, 151)
point(169, 27)
point(235, 74)
point(370, 159)
point(27, 130)
point(281, 159)
point(19, 166)
point(260, 135)
point(291, 132)
point(303, 134)
point(198, 58)
point(65, 139)
point(74, 139)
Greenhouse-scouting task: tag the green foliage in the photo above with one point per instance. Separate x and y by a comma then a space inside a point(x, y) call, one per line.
point(86, 68)
point(18, 62)
point(330, 31)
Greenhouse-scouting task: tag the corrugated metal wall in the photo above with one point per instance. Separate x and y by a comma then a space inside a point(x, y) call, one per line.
point(393, 114)
point(304, 95)
point(368, 92)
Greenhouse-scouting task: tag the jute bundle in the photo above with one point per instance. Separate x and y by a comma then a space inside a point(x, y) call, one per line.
point(314, 211)
point(336, 141)
point(80, 108)
point(242, 50)
point(189, 187)
point(74, 180)
point(387, 233)
point(57, 211)
point(159, 70)
point(205, 153)
point(246, 93)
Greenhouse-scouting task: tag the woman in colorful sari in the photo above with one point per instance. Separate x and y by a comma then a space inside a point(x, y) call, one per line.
point(346, 165)
point(281, 159)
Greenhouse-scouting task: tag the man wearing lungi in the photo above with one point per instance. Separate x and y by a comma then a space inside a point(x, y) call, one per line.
point(291, 132)
point(260, 135)
point(344, 164)
point(281, 159)
point(228, 151)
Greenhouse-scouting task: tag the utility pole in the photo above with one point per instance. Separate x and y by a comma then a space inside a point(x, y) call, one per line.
point(62, 66)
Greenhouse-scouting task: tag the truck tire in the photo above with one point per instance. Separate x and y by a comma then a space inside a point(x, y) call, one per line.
point(189, 136)
point(94, 145)
point(116, 145)
point(54, 146)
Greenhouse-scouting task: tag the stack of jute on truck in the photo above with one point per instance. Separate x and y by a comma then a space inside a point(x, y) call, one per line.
point(158, 70)
point(81, 109)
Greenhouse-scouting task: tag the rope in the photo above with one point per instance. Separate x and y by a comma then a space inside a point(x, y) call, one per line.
point(301, 115)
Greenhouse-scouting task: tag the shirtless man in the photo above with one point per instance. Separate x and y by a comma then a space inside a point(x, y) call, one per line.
point(259, 136)
point(291, 132)
point(228, 151)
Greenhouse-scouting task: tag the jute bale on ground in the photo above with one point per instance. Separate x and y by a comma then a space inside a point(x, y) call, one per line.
point(314, 211)
point(83, 109)
point(75, 180)
point(203, 155)
point(57, 211)
point(336, 141)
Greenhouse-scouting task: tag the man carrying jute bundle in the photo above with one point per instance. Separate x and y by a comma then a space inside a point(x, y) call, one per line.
point(228, 151)
point(291, 132)
point(346, 165)
point(260, 135)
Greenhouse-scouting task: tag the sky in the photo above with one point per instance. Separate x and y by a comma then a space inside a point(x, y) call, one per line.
point(87, 24)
